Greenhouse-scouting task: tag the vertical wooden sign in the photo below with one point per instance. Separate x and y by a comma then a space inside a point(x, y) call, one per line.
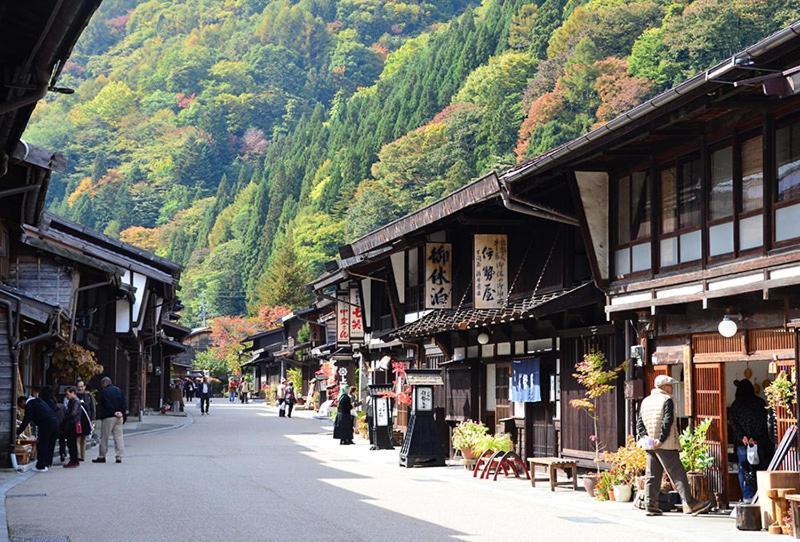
point(438, 276)
point(490, 270)
point(356, 316)
point(342, 318)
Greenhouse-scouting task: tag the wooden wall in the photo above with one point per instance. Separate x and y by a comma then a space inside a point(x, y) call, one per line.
point(43, 278)
point(7, 424)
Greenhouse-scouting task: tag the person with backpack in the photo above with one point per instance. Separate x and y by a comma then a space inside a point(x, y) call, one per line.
point(289, 399)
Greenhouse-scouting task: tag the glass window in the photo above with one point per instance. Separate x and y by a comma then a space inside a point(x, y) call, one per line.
point(690, 195)
point(669, 251)
point(669, 204)
point(691, 246)
point(640, 258)
point(622, 261)
point(640, 206)
point(624, 210)
point(720, 239)
point(752, 174)
point(787, 222)
point(721, 198)
point(751, 232)
point(787, 149)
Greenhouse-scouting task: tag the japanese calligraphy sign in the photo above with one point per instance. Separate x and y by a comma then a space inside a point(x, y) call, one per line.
point(342, 318)
point(438, 276)
point(356, 316)
point(490, 270)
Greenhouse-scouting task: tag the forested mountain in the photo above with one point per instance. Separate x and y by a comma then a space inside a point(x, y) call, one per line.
point(248, 139)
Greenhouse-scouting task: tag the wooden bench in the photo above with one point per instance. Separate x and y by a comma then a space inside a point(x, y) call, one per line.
point(553, 465)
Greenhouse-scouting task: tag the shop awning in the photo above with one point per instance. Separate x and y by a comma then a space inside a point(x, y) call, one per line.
point(30, 307)
point(439, 321)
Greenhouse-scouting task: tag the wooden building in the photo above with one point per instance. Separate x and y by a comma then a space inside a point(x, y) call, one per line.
point(690, 205)
point(485, 288)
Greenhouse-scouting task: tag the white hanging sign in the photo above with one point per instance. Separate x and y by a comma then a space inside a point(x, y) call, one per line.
point(490, 270)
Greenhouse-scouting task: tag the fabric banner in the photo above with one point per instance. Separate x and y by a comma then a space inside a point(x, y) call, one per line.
point(525, 380)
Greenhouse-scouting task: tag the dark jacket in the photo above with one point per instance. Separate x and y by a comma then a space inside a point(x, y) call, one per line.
point(200, 389)
point(40, 414)
point(88, 412)
point(72, 414)
point(111, 400)
point(289, 396)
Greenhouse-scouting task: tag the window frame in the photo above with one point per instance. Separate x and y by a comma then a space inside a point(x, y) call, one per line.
point(681, 230)
point(616, 179)
point(772, 180)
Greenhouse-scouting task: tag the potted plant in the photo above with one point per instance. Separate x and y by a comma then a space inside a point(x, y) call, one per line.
point(696, 458)
point(495, 443)
point(72, 362)
point(628, 464)
point(604, 489)
point(466, 436)
point(598, 380)
point(780, 393)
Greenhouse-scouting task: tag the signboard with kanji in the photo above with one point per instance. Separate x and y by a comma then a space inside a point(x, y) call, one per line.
point(490, 270)
point(438, 276)
point(342, 318)
point(356, 316)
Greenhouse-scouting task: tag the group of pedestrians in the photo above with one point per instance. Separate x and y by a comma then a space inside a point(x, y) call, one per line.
point(71, 421)
point(240, 389)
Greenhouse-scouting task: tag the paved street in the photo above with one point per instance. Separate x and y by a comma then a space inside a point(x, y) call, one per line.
point(243, 473)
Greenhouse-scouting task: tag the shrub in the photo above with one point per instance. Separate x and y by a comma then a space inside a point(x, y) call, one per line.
point(695, 453)
point(495, 443)
point(467, 434)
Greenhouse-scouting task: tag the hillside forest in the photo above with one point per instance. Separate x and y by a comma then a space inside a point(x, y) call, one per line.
point(249, 139)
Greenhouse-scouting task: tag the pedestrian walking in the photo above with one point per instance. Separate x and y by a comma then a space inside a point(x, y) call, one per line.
point(343, 426)
point(244, 392)
point(204, 389)
point(189, 389)
point(656, 427)
point(231, 390)
point(281, 395)
point(44, 418)
point(88, 413)
point(72, 426)
point(111, 411)
point(748, 419)
point(289, 399)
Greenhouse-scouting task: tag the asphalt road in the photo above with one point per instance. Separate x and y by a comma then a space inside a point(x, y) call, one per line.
point(242, 473)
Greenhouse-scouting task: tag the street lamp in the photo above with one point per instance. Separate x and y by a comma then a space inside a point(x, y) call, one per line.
point(727, 327)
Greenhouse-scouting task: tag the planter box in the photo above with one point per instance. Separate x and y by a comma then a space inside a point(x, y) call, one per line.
point(698, 485)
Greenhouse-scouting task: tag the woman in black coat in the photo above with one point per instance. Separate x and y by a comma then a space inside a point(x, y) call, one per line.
point(343, 426)
point(71, 425)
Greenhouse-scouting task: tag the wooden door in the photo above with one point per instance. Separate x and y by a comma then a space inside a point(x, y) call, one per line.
point(504, 408)
point(709, 402)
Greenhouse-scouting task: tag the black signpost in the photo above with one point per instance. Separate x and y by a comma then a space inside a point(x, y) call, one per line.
point(380, 417)
point(422, 446)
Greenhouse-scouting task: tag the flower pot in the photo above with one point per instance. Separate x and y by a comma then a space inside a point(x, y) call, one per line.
point(698, 485)
point(467, 453)
point(623, 493)
point(611, 494)
point(589, 483)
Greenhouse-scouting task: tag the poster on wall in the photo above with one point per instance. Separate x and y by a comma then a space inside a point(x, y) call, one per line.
point(342, 318)
point(490, 268)
point(526, 380)
point(438, 276)
point(356, 316)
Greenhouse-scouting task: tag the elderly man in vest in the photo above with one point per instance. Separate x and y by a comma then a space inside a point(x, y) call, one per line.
point(658, 427)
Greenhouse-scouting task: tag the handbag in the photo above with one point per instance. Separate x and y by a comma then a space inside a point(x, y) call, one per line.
point(752, 454)
point(78, 427)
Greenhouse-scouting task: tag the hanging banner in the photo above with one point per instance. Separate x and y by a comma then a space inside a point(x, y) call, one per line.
point(490, 268)
point(526, 380)
point(356, 316)
point(342, 318)
point(438, 276)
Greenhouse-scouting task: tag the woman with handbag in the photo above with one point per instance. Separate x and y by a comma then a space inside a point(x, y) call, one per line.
point(72, 427)
point(747, 417)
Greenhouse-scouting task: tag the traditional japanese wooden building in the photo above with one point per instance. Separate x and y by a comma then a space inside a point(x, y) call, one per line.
point(690, 205)
point(497, 294)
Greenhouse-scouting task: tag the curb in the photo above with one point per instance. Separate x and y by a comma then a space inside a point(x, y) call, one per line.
point(189, 421)
point(7, 486)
